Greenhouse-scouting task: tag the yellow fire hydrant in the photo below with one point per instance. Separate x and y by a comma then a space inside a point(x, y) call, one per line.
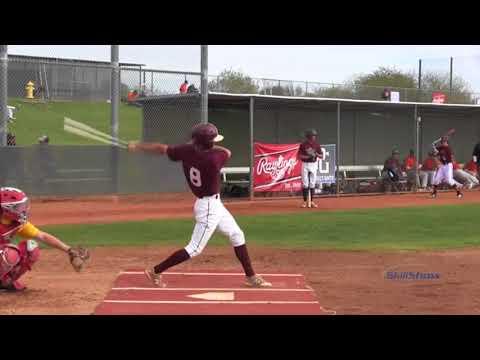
point(30, 88)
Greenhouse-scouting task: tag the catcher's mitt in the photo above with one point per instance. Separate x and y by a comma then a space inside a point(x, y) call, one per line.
point(78, 257)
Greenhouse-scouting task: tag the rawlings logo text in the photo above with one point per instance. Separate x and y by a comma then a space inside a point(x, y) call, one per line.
point(277, 168)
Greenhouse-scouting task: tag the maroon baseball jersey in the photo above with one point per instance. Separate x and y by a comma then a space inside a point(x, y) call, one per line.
point(306, 148)
point(201, 168)
point(444, 154)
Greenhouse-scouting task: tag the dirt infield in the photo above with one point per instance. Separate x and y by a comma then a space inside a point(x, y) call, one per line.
point(346, 282)
point(132, 208)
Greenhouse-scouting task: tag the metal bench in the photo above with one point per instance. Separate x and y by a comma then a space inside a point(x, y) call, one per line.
point(345, 169)
point(235, 171)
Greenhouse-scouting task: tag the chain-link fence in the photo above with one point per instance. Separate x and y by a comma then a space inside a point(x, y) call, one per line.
point(42, 91)
point(162, 106)
point(339, 91)
point(169, 95)
point(44, 159)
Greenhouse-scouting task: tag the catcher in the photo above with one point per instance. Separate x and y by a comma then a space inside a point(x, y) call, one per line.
point(16, 260)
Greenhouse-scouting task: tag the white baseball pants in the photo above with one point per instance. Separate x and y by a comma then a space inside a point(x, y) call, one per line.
point(309, 170)
point(445, 174)
point(211, 215)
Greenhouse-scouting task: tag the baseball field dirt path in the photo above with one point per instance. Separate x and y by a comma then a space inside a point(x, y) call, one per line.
point(107, 209)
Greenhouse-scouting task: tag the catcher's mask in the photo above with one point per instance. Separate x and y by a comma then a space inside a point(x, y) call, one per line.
point(14, 204)
point(206, 135)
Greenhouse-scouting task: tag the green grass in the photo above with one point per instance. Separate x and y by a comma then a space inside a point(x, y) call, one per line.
point(36, 119)
point(417, 228)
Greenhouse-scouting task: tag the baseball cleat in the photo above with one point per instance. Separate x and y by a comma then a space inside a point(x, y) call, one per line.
point(433, 195)
point(257, 281)
point(156, 279)
point(314, 205)
point(304, 205)
point(459, 195)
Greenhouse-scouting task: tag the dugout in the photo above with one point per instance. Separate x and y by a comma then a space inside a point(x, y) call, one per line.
point(365, 131)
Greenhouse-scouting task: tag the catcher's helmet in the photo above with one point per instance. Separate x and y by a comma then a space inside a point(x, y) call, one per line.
point(311, 132)
point(206, 134)
point(14, 204)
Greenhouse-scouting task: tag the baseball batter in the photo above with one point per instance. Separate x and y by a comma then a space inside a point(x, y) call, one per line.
point(16, 260)
point(444, 173)
point(309, 152)
point(202, 161)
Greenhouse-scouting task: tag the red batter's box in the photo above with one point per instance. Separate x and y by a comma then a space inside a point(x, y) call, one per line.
point(209, 293)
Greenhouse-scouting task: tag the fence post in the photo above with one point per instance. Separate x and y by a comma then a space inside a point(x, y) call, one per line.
point(204, 81)
point(3, 94)
point(115, 89)
point(337, 155)
point(252, 153)
point(419, 79)
point(115, 104)
point(417, 141)
point(451, 75)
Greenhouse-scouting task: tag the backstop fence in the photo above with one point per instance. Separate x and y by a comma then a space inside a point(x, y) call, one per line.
point(164, 105)
point(363, 134)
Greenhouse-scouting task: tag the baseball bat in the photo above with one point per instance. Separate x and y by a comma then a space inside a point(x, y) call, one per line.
point(76, 124)
point(448, 133)
point(86, 134)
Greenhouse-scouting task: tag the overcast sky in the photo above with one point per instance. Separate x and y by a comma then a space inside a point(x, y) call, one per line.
point(290, 62)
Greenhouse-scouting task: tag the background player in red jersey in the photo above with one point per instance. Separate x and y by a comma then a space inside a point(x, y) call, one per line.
point(16, 260)
point(309, 152)
point(202, 161)
point(444, 173)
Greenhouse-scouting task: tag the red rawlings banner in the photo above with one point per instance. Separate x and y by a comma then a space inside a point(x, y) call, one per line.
point(277, 168)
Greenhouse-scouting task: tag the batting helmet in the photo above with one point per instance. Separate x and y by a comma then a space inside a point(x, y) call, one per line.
point(311, 132)
point(206, 134)
point(14, 204)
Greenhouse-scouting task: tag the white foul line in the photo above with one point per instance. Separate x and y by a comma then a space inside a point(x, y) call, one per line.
point(203, 274)
point(205, 302)
point(209, 289)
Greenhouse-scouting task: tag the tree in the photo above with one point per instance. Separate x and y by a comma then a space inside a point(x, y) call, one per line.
point(337, 92)
point(371, 86)
point(235, 82)
point(384, 76)
point(437, 81)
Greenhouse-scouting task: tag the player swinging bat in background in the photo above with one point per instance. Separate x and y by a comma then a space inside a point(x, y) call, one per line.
point(16, 260)
point(309, 153)
point(202, 161)
point(444, 173)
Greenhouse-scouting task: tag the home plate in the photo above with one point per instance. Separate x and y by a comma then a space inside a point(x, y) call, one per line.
point(209, 293)
point(230, 296)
